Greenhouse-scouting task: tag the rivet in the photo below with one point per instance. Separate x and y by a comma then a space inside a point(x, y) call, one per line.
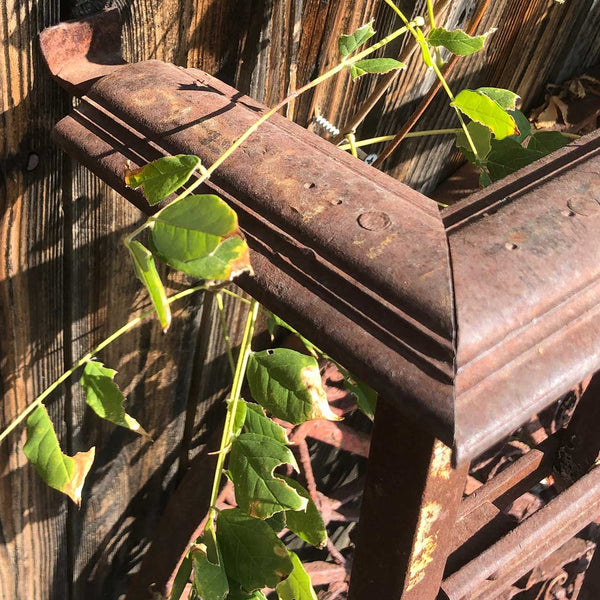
point(374, 220)
point(33, 161)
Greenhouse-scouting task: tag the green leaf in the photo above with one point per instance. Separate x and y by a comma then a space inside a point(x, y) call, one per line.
point(260, 493)
point(145, 269)
point(427, 58)
point(258, 422)
point(104, 397)
point(199, 235)
point(252, 553)
point(508, 156)
point(162, 177)
point(288, 384)
point(277, 522)
point(307, 524)
point(522, 123)
point(181, 579)
point(504, 98)
point(298, 585)
point(237, 593)
point(457, 41)
point(482, 138)
point(366, 397)
point(210, 581)
point(347, 44)
point(64, 473)
point(546, 142)
point(484, 179)
point(375, 65)
point(479, 107)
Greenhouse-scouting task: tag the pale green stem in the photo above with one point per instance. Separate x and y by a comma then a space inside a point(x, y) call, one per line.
point(219, 299)
point(206, 173)
point(431, 14)
point(236, 389)
point(423, 44)
point(84, 359)
point(410, 134)
point(236, 296)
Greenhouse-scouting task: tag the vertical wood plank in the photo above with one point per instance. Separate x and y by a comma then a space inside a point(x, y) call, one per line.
point(33, 549)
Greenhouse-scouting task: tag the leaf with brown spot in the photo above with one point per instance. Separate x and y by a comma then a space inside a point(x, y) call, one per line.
point(259, 492)
point(64, 473)
point(288, 384)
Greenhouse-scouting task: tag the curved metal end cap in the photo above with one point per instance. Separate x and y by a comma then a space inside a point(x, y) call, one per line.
point(79, 52)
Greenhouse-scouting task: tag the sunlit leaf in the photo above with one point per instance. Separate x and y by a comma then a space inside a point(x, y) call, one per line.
point(546, 142)
point(258, 422)
point(457, 41)
point(375, 65)
point(104, 397)
point(347, 44)
point(252, 553)
point(199, 235)
point(145, 269)
point(162, 177)
point(260, 493)
point(307, 524)
point(366, 397)
point(481, 137)
point(522, 123)
point(64, 473)
point(298, 585)
point(504, 98)
point(427, 58)
point(288, 384)
point(481, 108)
point(181, 579)
point(210, 579)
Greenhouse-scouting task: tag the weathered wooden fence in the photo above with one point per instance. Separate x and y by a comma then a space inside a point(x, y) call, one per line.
point(65, 281)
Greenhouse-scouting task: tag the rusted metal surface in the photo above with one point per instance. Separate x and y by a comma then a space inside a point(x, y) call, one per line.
point(518, 552)
point(409, 507)
point(526, 268)
point(384, 289)
point(357, 260)
point(80, 52)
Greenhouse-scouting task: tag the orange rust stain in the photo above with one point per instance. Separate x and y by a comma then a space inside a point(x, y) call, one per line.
point(441, 466)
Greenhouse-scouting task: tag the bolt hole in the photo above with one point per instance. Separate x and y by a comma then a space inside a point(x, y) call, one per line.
point(567, 213)
point(510, 246)
point(309, 186)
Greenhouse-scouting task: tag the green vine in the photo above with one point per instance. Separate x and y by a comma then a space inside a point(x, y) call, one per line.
point(199, 235)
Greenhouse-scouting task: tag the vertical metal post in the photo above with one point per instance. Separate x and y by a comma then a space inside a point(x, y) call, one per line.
point(409, 510)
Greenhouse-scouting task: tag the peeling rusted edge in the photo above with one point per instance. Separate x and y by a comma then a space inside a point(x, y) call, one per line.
point(81, 51)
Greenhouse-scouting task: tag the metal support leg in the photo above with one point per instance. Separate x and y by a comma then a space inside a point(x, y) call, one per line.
point(409, 509)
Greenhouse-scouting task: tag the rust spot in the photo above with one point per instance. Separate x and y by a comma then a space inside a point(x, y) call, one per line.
point(425, 544)
point(377, 250)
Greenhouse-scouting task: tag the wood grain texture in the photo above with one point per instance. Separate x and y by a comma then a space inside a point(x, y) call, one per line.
point(65, 281)
point(32, 517)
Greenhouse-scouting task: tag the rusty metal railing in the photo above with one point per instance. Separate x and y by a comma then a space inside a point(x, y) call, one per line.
point(467, 322)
